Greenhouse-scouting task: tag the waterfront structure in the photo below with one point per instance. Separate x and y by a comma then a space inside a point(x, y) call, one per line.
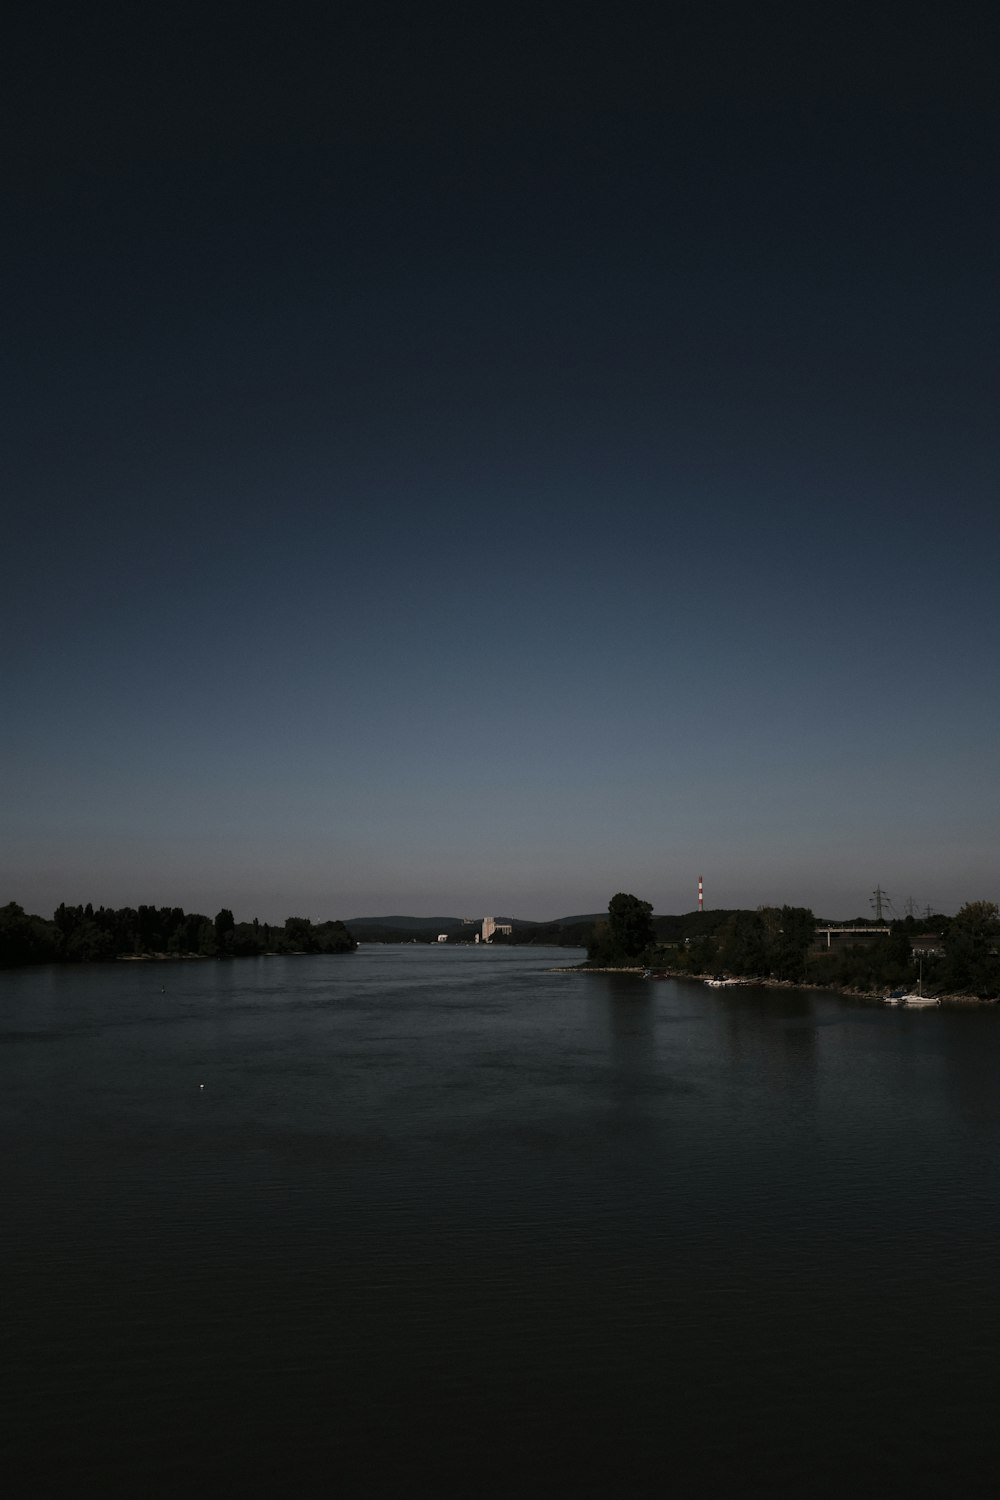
point(491, 925)
point(839, 936)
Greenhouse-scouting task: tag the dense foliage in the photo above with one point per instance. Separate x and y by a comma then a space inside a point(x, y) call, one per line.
point(81, 934)
point(626, 937)
point(955, 956)
point(772, 942)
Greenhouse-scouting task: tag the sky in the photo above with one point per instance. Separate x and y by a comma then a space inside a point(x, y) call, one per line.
point(467, 459)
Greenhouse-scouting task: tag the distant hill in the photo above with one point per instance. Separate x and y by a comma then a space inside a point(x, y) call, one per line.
point(443, 924)
point(404, 924)
point(402, 929)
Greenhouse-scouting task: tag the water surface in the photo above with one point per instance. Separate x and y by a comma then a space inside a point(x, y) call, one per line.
point(416, 1218)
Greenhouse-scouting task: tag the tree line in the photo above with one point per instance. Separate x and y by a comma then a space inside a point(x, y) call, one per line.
point(85, 934)
point(960, 955)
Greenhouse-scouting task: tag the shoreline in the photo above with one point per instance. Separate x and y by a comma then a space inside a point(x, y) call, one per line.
point(876, 997)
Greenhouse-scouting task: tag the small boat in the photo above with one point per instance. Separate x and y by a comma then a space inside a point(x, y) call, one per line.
point(895, 997)
point(721, 984)
point(917, 999)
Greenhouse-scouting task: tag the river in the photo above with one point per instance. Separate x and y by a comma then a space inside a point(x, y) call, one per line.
point(444, 1219)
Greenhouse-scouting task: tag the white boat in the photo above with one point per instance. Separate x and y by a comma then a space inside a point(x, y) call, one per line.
point(917, 999)
point(721, 984)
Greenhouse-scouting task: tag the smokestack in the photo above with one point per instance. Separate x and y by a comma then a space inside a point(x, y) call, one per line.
point(701, 894)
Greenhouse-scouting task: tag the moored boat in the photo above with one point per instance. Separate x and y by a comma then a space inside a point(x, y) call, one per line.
point(916, 999)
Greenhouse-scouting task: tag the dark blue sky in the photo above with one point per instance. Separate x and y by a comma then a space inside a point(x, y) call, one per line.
point(463, 461)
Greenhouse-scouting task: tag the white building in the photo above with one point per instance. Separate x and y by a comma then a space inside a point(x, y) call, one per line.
point(491, 925)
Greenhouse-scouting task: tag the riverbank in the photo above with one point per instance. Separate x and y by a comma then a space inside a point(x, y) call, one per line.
point(874, 997)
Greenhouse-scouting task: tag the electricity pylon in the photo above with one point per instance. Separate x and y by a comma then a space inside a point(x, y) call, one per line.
point(878, 895)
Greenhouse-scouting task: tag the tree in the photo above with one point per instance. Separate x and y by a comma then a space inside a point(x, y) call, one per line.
point(972, 965)
point(626, 935)
point(225, 928)
point(979, 919)
point(743, 949)
point(630, 924)
point(300, 936)
point(333, 937)
point(223, 922)
point(26, 939)
point(794, 939)
point(89, 944)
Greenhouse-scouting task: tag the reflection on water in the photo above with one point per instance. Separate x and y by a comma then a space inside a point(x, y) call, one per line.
point(452, 1220)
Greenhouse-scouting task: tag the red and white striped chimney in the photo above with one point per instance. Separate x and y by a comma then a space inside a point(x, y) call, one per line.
point(701, 894)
